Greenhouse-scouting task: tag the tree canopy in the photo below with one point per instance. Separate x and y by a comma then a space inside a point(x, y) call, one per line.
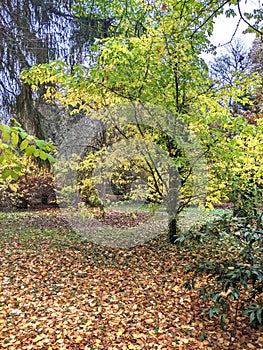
point(37, 32)
point(153, 57)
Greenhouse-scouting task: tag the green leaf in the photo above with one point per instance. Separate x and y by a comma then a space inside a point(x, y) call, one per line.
point(252, 317)
point(2, 158)
point(23, 134)
point(14, 175)
point(14, 139)
point(51, 158)
point(259, 315)
point(23, 144)
point(212, 311)
point(156, 329)
point(42, 155)
point(6, 173)
point(6, 133)
point(36, 153)
point(222, 321)
point(40, 143)
point(30, 150)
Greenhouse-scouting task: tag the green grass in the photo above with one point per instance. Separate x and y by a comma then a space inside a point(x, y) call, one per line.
point(131, 206)
point(36, 226)
point(195, 216)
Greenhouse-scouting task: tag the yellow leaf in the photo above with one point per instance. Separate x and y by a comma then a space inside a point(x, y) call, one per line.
point(78, 339)
point(40, 343)
point(38, 338)
point(260, 339)
point(149, 320)
point(99, 309)
point(13, 187)
point(120, 331)
point(111, 336)
point(137, 335)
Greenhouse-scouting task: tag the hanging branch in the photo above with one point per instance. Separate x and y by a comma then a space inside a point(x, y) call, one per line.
point(246, 21)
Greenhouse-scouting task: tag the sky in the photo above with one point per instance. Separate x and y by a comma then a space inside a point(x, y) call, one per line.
point(224, 29)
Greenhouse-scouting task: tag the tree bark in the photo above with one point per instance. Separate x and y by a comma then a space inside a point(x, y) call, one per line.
point(27, 114)
point(173, 201)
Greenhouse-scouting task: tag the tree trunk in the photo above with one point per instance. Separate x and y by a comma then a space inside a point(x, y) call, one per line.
point(173, 230)
point(173, 201)
point(26, 113)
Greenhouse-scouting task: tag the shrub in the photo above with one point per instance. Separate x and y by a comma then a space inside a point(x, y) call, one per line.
point(33, 188)
point(236, 271)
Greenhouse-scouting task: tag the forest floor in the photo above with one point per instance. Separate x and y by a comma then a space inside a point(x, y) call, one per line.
point(60, 291)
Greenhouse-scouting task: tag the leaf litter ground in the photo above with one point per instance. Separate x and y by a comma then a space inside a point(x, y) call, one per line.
point(58, 291)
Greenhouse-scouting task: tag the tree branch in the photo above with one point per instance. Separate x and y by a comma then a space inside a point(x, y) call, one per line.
point(246, 21)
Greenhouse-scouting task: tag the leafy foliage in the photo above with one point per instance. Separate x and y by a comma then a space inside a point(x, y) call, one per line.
point(235, 271)
point(14, 143)
point(59, 291)
point(33, 188)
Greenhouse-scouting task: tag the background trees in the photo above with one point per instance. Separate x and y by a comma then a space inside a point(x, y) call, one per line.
point(38, 32)
point(156, 60)
point(232, 69)
point(145, 54)
point(256, 55)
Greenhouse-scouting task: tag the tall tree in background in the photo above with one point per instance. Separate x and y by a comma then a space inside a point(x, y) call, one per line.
point(35, 31)
point(235, 60)
point(230, 70)
point(256, 55)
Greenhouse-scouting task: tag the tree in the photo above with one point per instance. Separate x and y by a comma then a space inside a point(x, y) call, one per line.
point(256, 55)
point(231, 69)
point(36, 32)
point(224, 68)
point(158, 65)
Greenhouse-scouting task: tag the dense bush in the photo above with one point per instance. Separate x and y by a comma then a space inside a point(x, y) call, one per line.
point(231, 266)
point(127, 180)
point(34, 187)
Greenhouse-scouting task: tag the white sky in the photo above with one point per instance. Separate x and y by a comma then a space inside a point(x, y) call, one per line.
point(225, 28)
